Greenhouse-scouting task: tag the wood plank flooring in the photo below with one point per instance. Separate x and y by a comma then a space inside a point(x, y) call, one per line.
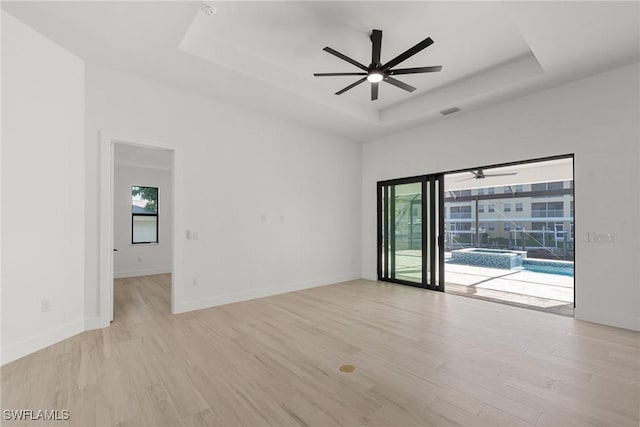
point(421, 358)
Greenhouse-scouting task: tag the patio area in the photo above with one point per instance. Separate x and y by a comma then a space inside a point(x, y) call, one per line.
point(540, 291)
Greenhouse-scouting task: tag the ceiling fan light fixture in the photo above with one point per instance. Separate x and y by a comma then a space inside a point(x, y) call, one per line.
point(375, 77)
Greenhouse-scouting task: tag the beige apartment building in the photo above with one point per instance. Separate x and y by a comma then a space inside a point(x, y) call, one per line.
point(539, 215)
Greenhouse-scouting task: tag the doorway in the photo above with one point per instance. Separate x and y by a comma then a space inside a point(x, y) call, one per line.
point(410, 215)
point(142, 230)
point(509, 234)
point(503, 233)
point(148, 211)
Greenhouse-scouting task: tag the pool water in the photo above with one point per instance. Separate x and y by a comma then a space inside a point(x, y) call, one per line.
point(550, 270)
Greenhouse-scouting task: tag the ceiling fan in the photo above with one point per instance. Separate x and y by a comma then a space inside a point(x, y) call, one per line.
point(479, 174)
point(377, 72)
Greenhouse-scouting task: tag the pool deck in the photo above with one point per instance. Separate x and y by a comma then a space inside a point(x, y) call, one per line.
point(540, 291)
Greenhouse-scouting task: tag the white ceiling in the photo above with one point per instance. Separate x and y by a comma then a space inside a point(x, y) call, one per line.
point(261, 55)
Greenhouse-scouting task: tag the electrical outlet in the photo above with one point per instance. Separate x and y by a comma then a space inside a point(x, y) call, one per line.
point(194, 282)
point(46, 305)
point(599, 237)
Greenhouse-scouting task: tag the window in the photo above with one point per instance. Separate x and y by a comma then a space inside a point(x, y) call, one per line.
point(491, 190)
point(518, 207)
point(480, 208)
point(460, 226)
point(458, 212)
point(492, 226)
point(144, 214)
point(480, 191)
point(462, 193)
point(547, 209)
point(555, 185)
point(492, 208)
point(507, 207)
point(506, 189)
point(507, 226)
point(519, 188)
point(555, 209)
point(558, 185)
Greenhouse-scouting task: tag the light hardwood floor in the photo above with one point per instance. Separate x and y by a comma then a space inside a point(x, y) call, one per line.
point(421, 358)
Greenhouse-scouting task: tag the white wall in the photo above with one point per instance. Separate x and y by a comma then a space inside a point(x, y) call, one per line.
point(595, 118)
point(42, 191)
point(141, 259)
point(276, 206)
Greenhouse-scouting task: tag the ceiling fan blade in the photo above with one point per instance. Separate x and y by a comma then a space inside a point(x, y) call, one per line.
point(338, 74)
point(501, 174)
point(345, 58)
point(399, 84)
point(376, 47)
point(374, 91)
point(466, 179)
point(399, 71)
point(408, 53)
point(478, 174)
point(351, 86)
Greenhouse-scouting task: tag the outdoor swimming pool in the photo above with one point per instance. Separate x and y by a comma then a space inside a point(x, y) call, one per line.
point(509, 260)
point(564, 268)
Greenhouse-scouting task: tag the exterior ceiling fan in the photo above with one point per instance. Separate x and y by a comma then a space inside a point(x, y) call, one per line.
point(377, 72)
point(479, 174)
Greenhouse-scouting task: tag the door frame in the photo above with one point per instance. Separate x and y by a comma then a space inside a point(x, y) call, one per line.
point(441, 231)
point(435, 235)
point(571, 156)
point(107, 164)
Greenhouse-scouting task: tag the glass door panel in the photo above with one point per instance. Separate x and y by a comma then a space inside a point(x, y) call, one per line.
point(408, 231)
point(406, 239)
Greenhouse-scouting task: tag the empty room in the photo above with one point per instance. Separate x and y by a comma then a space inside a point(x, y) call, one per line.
point(320, 213)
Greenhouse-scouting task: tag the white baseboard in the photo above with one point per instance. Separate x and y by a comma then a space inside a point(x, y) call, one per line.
point(203, 303)
point(625, 322)
point(30, 345)
point(91, 323)
point(373, 277)
point(141, 272)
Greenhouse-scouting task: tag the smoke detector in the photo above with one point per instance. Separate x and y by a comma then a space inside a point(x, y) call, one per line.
point(208, 8)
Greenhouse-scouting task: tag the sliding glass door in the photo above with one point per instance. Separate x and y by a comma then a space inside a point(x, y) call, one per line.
point(410, 222)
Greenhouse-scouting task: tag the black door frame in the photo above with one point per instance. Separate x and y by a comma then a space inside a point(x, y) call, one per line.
point(432, 239)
